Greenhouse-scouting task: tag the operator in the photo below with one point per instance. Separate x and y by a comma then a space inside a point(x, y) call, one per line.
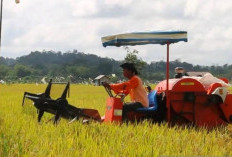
point(180, 72)
point(133, 86)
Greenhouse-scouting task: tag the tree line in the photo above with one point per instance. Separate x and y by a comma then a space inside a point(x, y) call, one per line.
point(79, 67)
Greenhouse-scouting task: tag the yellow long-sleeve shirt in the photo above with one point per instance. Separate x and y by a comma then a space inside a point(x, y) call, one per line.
point(135, 88)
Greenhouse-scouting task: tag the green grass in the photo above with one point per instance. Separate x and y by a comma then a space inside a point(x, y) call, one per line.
point(21, 135)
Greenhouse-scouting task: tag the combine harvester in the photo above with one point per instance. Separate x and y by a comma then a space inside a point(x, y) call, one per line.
point(200, 101)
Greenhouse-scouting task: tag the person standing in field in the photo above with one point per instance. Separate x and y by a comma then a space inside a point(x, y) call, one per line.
point(133, 87)
point(151, 94)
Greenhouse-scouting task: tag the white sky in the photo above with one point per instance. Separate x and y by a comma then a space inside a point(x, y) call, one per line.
point(63, 25)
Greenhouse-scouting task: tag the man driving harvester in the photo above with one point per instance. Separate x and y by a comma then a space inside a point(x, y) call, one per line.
point(133, 86)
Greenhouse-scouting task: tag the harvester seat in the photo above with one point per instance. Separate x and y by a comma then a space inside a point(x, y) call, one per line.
point(157, 112)
point(153, 105)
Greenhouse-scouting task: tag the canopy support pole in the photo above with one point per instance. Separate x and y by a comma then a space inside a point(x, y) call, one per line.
point(167, 85)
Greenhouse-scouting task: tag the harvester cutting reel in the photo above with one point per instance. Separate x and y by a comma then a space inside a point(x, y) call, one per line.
point(60, 107)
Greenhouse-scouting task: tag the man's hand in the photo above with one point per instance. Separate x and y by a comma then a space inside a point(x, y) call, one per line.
point(105, 84)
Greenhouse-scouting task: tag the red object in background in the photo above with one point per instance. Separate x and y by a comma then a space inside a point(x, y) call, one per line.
point(113, 111)
point(226, 107)
point(224, 79)
point(212, 87)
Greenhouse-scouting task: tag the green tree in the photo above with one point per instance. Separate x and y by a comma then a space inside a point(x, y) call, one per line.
point(3, 71)
point(105, 68)
point(132, 57)
point(22, 70)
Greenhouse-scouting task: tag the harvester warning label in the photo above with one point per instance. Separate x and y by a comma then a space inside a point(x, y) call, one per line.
point(117, 112)
point(187, 83)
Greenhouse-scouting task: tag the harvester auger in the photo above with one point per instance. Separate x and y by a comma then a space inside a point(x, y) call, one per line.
point(59, 107)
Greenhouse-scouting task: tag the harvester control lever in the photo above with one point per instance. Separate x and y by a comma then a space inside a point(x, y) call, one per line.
point(108, 90)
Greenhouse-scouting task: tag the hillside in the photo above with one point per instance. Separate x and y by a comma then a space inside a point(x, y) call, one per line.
point(78, 67)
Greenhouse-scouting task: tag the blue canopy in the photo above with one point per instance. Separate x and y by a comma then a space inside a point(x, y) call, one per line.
point(142, 38)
